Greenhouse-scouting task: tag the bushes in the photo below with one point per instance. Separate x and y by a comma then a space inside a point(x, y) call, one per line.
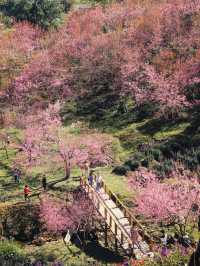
point(121, 170)
point(12, 254)
point(133, 165)
point(164, 168)
point(190, 158)
point(22, 222)
point(126, 167)
point(157, 154)
point(45, 13)
point(145, 163)
point(162, 157)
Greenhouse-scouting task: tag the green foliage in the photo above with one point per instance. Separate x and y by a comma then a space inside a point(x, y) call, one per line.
point(121, 170)
point(157, 154)
point(7, 21)
point(11, 254)
point(101, 2)
point(145, 163)
point(164, 168)
point(132, 164)
point(116, 149)
point(45, 13)
point(66, 4)
point(190, 158)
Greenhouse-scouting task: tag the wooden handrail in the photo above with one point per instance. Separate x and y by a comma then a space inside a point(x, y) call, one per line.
point(132, 220)
point(126, 211)
point(87, 186)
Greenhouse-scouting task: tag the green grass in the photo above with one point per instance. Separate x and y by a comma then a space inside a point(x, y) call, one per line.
point(6, 178)
point(71, 255)
point(117, 184)
point(130, 137)
point(143, 132)
point(57, 251)
point(171, 131)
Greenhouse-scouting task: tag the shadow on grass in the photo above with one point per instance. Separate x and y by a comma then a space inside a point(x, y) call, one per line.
point(158, 125)
point(94, 250)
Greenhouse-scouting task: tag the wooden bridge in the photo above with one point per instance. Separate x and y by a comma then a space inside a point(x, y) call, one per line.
point(119, 221)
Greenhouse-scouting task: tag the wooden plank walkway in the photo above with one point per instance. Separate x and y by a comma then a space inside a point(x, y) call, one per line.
point(117, 221)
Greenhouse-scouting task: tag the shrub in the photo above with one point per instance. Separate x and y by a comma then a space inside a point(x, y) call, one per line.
point(170, 149)
point(157, 154)
point(146, 110)
point(145, 163)
point(133, 165)
point(121, 170)
point(22, 222)
point(190, 158)
point(138, 156)
point(198, 156)
point(45, 13)
point(191, 162)
point(164, 168)
point(12, 254)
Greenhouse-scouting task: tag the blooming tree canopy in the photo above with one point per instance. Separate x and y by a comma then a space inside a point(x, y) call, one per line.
point(165, 202)
point(46, 139)
point(149, 52)
point(58, 216)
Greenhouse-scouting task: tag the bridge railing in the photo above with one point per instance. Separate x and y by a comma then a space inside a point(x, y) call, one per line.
point(121, 234)
point(132, 220)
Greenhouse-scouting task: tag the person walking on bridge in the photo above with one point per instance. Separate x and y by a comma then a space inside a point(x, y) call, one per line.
point(91, 178)
point(99, 182)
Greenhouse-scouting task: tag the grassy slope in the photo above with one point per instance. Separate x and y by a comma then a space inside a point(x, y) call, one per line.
point(130, 135)
point(71, 255)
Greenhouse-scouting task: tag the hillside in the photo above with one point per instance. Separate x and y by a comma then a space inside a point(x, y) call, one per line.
point(110, 87)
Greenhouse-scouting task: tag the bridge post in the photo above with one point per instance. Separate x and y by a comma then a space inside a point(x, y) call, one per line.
point(110, 222)
point(116, 244)
point(106, 227)
point(122, 238)
point(106, 235)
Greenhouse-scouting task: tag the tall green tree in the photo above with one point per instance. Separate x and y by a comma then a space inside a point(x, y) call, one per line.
point(45, 13)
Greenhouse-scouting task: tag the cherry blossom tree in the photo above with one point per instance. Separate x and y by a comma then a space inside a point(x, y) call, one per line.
point(170, 203)
point(59, 216)
point(122, 48)
point(16, 48)
point(148, 51)
point(45, 139)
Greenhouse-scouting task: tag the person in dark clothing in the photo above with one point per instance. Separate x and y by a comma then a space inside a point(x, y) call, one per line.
point(17, 175)
point(44, 183)
point(91, 178)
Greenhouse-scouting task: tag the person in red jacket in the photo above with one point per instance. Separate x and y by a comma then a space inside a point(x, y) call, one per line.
point(27, 191)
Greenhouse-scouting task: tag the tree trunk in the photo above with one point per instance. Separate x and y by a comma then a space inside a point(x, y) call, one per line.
point(67, 172)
